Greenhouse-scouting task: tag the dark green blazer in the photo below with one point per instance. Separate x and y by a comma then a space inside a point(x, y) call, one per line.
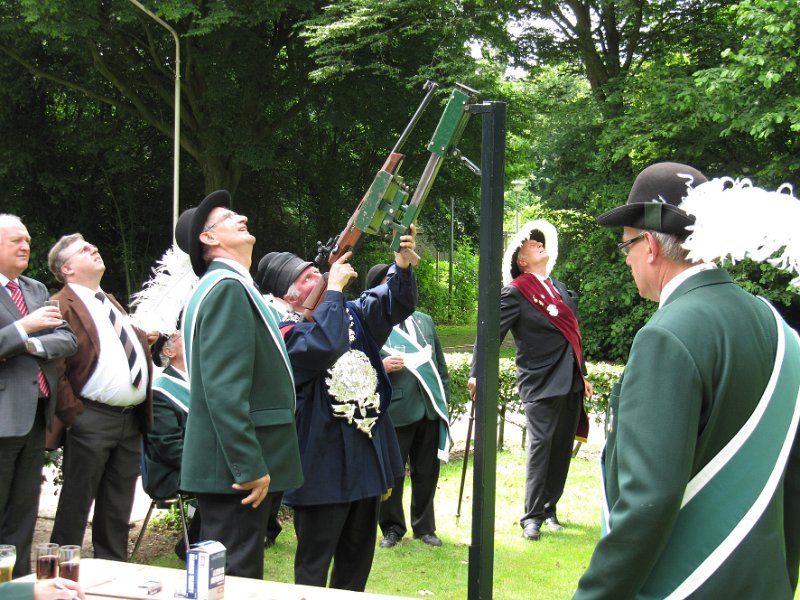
point(241, 424)
point(410, 403)
point(695, 373)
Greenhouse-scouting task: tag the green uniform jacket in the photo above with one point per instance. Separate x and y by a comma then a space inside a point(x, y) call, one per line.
point(16, 591)
point(163, 446)
point(695, 373)
point(410, 403)
point(241, 424)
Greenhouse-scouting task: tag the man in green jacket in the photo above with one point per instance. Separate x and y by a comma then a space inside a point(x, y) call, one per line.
point(702, 464)
point(241, 440)
point(414, 360)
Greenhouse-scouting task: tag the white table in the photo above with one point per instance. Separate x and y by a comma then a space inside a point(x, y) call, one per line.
point(111, 579)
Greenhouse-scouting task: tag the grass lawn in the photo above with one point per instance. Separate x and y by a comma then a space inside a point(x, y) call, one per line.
point(547, 569)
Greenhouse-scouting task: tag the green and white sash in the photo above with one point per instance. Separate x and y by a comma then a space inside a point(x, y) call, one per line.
point(419, 361)
point(174, 388)
point(712, 521)
point(268, 314)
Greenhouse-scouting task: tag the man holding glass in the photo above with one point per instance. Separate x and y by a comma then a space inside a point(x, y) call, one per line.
point(32, 337)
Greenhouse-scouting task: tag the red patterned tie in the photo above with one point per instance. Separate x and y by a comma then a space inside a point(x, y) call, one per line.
point(16, 296)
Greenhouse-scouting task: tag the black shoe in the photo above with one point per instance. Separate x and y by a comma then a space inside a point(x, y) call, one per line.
point(390, 540)
point(531, 532)
point(431, 540)
point(269, 542)
point(553, 524)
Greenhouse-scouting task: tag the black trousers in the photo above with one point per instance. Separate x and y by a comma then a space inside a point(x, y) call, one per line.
point(274, 526)
point(101, 465)
point(419, 444)
point(552, 423)
point(240, 528)
point(343, 533)
point(21, 461)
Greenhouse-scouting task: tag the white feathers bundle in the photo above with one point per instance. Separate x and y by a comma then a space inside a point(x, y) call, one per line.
point(159, 303)
point(524, 233)
point(736, 219)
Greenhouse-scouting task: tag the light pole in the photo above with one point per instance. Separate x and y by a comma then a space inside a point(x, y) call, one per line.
point(177, 131)
point(517, 185)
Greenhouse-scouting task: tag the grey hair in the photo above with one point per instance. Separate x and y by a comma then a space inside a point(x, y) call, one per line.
point(671, 246)
point(8, 220)
point(55, 258)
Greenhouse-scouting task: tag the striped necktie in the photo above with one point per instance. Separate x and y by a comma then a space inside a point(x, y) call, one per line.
point(130, 350)
point(16, 296)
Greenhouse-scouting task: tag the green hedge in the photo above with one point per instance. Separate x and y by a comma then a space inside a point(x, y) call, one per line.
point(601, 375)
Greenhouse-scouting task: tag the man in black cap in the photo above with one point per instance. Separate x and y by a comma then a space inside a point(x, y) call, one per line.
point(415, 363)
point(542, 317)
point(348, 445)
point(702, 461)
point(240, 439)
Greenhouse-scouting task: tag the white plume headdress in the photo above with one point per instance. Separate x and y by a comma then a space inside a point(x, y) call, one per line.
point(550, 242)
point(738, 220)
point(160, 302)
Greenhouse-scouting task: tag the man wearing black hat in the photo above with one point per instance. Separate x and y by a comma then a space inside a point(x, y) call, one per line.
point(240, 439)
point(702, 461)
point(542, 317)
point(415, 363)
point(349, 449)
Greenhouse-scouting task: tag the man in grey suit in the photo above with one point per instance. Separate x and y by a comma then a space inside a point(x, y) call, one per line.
point(32, 336)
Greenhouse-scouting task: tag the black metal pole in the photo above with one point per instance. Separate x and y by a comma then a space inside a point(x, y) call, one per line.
point(481, 552)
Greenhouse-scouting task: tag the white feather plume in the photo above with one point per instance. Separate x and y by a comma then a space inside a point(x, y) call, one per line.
point(159, 303)
point(523, 234)
point(738, 220)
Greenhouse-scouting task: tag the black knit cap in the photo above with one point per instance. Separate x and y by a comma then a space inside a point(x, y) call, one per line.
point(376, 274)
point(277, 271)
point(654, 199)
point(190, 226)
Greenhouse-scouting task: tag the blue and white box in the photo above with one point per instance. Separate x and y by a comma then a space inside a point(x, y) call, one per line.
point(205, 571)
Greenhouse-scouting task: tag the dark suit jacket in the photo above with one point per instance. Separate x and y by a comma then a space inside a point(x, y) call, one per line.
point(74, 372)
point(19, 370)
point(545, 361)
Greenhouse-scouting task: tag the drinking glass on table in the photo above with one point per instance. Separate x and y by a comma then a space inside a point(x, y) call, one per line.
point(8, 557)
point(46, 561)
point(69, 562)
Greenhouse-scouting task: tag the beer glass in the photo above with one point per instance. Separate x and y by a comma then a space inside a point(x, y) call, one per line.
point(8, 557)
point(69, 562)
point(46, 561)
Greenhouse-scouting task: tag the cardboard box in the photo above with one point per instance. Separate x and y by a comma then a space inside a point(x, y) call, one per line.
point(205, 571)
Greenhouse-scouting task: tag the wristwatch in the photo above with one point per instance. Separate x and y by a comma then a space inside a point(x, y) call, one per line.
point(30, 347)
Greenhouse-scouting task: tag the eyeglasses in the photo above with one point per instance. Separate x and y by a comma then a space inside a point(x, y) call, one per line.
point(228, 215)
point(625, 246)
point(87, 248)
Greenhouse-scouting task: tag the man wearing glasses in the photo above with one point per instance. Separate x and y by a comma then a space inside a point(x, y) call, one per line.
point(241, 440)
point(104, 399)
point(701, 467)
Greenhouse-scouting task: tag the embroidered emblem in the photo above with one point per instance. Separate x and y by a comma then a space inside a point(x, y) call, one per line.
point(353, 388)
